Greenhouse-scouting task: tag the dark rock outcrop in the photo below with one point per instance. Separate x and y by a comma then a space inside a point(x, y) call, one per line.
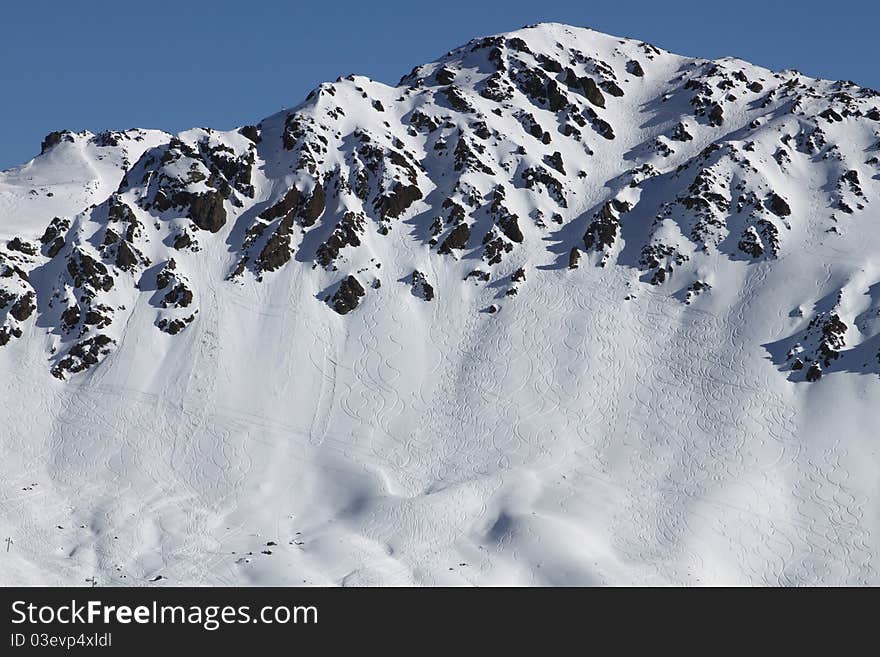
point(396, 203)
point(126, 258)
point(420, 286)
point(778, 205)
point(457, 239)
point(634, 68)
point(83, 355)
point(24, 307)
point(18, 244)
point(53, 139)
point(346, 233)
point(347, 296)
point(207, 211)
point(252, 132)
point(313, 208)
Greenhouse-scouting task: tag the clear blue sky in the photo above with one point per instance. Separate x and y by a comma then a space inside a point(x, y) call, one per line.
point(92, 64)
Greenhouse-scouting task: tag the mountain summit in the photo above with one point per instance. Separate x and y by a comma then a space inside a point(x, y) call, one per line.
point(558, 308)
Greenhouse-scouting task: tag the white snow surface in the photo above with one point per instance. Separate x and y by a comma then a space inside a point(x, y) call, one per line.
point(596, 429)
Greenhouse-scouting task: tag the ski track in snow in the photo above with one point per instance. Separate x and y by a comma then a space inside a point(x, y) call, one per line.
point(699, 485)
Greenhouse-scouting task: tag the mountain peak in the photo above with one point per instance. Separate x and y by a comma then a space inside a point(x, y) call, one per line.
point(524, 147)
point(547, 246)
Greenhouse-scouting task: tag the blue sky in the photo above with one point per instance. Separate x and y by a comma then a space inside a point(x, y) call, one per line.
point(91, 64)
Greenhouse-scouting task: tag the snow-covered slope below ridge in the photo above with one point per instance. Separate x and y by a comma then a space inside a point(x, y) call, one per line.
point(559, 308)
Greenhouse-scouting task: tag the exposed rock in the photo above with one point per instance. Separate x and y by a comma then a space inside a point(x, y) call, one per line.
point(23, 308)
point(750, 243)
point(479, 274)
point(634, 68)
point(53, 139)
point(587, 86)
point(71, 316)
point(680, 133)
point(125, 256)
point(285, 206)
point(398, 201)
point(832, 336)
point(17, 244)
point(180, 296)
point(716, 115)
point(346, 233)
point(182, 241)
point(598, 124)
point(833, 117)
point(207, 211)
point(661, 259)
point(457, 239)
point(494, 247)
point(7, 333)
point(445, 76)
point(612, 88)
point(252, 132)
point(510, 227)
point(313, 208)
point(444, 147)
point(538, 175)
point(555, 161)
point(55, 247)
point(54, 230)
point(110, 237)
point(167, 275)
point(778, 205)
point(83, 355)
point(277, 251)
point(457, 99)
point(466, 159)
point(88, 272)
point(602, 232)
point(347, 296)
point(174, 326)
point(420, 286)
point(695, 289)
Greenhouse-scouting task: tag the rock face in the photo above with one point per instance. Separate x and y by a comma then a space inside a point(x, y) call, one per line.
point(601, 235)
point(457, 239)
point(125, 256)
point(313, 208)
point(82, 356)
point(420, 286)
point(53, 139)
point(207, 211)
point(23, 307)
point(778, 205)
point(347, 296)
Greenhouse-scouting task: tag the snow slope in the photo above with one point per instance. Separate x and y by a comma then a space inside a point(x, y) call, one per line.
point(559, 308)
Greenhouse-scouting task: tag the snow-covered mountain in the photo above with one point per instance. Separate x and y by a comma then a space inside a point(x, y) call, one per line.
point(558, 308)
